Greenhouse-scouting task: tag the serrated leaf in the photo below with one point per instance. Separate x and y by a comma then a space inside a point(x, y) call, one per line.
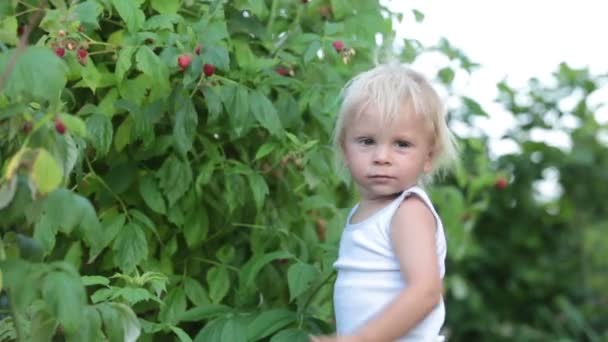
point(149, 190)
point(124, 61)
point(186, 121)
point(252, 267)
point(195, 292)
point(74, 124)
point(99, 133)
point(8, 30)
point(166, 7)
point(129, 12)
point(88, 11)
point(175, 178)
point(161, 22)
point(65, 298)
point(234, 330)
point(94, 280)
point(38, 74)
point(7, 192)
point(269, 322)
point(112, 323)
point(204, 312)
point(181, 334)
point(216, 55)
point(130, 247)
point(123, 134)
point(46, 172)
point(299, 278)
point(150, 64)
point(218, 282)
point(259, 189)
point(91, 77)
point(196, 227)
point(291, 335)
point(264, 112)
point(264, 150)
point(174, 306)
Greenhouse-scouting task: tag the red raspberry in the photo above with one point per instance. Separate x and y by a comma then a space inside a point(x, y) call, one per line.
point(282, 71)
point(338, 45)
point(501, 183)
point(208, 69)
point(60, 52)
point(59, 126)
point(183, 61)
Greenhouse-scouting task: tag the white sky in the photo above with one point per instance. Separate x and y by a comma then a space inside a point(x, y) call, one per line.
point(515, 39)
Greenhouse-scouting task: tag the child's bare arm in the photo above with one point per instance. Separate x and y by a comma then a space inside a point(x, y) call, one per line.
point(413, 238)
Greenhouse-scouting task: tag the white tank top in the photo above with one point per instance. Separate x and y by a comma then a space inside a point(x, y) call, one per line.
point(369, 276)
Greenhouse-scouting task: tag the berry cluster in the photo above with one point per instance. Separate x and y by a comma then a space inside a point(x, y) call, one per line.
point(63, 41)
point(184, 61)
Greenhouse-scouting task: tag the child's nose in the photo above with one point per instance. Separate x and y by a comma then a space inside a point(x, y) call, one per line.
point(382, 155)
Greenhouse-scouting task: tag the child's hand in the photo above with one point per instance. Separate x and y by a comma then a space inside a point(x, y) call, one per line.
point(334, 338)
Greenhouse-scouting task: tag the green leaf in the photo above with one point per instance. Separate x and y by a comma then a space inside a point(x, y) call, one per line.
point(7, 192)
point(181, 334)
point(8, 30)
point(88, 12)
point(100, 133)
point(130, 247)
point(161, 22)
point(219, 283)
point(94, 280)
point(474, 107)
point(150, 64)
point(129, 12)
point(269, 322)
point(174, 305)
point(186, 121)
point(195, 292)
point(38, 74)
point(175, 178)
point(204, 312)
point(216, 55)
point(111, 318)
point(264, 112)
point(234, 330)
point(259, 189)
point(311, 51)
point(123, 134)
point(340, 8)
point(213, 100)
point(65, 298)
point(252, 267)
point(236, 102)
point(291, 335)
point(91, 77)
point(264, 150)
point(196, 227)
point(149, 191)
point(300, 277)
point(74, 124)
point(418, 15)
point(124, 61)
point(46, 172)
point(165, 6)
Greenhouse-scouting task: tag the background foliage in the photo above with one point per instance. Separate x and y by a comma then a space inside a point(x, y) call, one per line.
point(166, 174)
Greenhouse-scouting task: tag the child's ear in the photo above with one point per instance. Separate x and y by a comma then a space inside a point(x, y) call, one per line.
point(429, 161)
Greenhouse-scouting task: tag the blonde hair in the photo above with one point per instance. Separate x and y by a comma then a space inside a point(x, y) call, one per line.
point(387, 88)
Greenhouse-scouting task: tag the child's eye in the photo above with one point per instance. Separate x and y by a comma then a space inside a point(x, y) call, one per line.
point(402, 143)
point(365, 141)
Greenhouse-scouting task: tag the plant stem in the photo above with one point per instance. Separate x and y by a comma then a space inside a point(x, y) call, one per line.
point(273, 14)
point(107, 187)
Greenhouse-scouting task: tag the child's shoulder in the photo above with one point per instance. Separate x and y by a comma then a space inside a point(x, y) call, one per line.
point(413, 213)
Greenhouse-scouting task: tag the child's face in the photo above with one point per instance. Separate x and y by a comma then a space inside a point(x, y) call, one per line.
point(387, 159)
